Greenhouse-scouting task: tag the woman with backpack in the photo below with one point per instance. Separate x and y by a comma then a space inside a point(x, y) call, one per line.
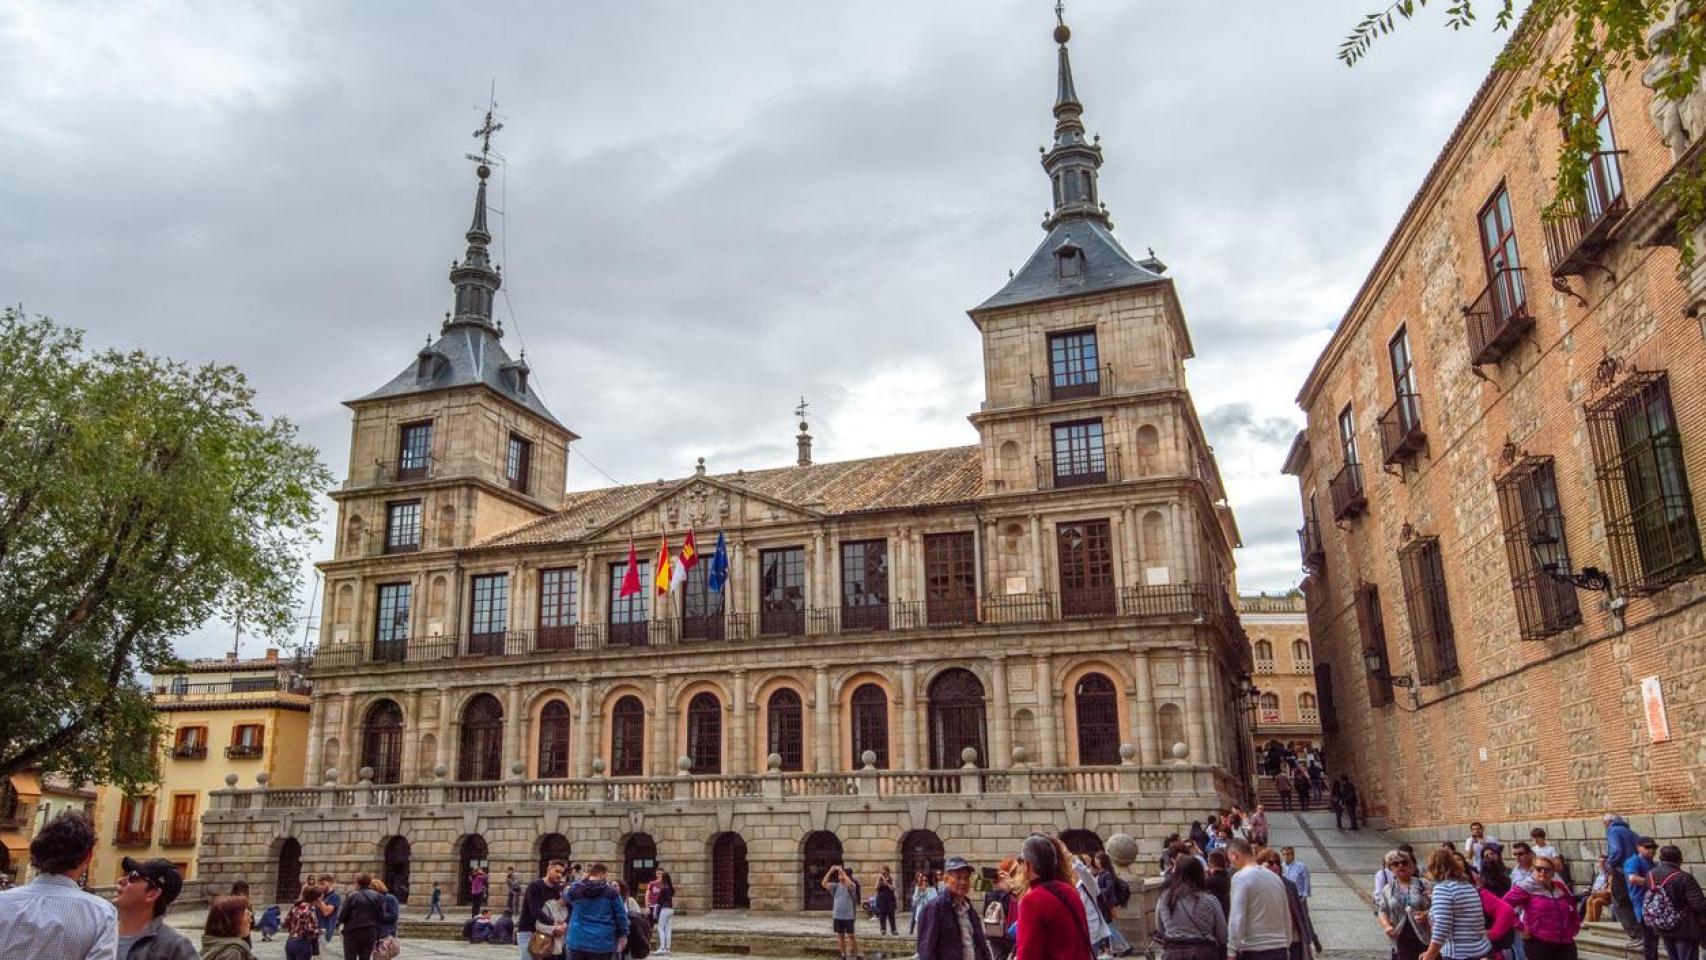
point(1188, 919)
point(1547, 911)
point(302, 925)
point(1683, 924)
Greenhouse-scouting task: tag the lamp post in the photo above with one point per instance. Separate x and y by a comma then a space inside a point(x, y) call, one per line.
point(1375, 660)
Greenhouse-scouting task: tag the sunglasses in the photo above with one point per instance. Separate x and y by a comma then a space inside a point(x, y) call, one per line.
point(135, 876)
point(1541, 869)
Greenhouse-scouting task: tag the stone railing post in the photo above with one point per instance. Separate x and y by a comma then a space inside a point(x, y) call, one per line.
point(771, 787)
point(364, 787)
point(1019, 778)
point(683, 779)
point(971, 777)
point(1131, 775)
point(866, 777)
point(327, 792)
point(437, 791)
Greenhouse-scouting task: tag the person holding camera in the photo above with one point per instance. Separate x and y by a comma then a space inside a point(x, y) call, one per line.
point(844, 900)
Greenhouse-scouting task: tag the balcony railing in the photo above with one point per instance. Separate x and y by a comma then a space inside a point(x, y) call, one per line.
point(1401, 434)
point(127, 835)
point(1264, 666)
point(788, 621)
point(1349, 499)
point(17, 818)
point(1184, 600)
point(1046, 389)
point(1091, 468)
point(227, 689)
point(177, 833)
point(1309, 544)
point(243, 751)
point(1574, 240)
point(1499, 316)
point(190, 751)
point(397, 471)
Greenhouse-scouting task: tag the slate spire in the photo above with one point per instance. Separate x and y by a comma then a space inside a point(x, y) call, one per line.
point(1073, 162)
point(475, 279)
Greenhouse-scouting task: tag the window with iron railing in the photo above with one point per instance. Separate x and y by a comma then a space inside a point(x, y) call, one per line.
point(1650, 526)
point(865, 585)
point(1373, 625)
point(1431, 631)
point(403, 526)
point(1534, 532)
point(1074, 366)
point(191, 743)
point(701, 607)
point(518, 462)
point(1401, 434)
point(783, 601)
point(950, 578)
point(1346, 485)
point(1079, 455)
point(870, 724)
point(247, 741)
point(554, 740)
point(705, 734)
point(559, 599)
point(1309, 544)
point(414, 450)
point(488, 613)
point(627, 737)
point(391, 621)
point(628, 615)
point(1574, 239)
point(785, 719)
point(1086, 556)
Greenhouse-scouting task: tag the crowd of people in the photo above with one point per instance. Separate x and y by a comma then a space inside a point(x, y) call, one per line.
point(1227, 893)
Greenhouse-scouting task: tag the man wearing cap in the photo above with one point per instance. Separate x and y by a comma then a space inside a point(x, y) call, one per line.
point(147, 888)
point(949, 928)
point(50, 918)
point(1638, 871)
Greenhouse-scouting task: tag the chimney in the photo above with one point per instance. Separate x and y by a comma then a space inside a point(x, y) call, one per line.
point(804, 442)
point(230, 654)
point(272, 653)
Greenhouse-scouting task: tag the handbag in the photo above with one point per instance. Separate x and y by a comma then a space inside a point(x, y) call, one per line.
point(387, 949)
point(539, 945)
point(995, 920)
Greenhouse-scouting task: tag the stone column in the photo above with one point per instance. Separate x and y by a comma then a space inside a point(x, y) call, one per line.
point(583, 731)
point(1133, 563)
point(515, 730)
point(663, 731)
point(1001, 727)
point(738, 762)
point(316, 736)
point(908, 715)
point(737, 575)
point(1122, 569)
point(593, 591)
point(1194, 706)
point(819, 575)
point(1038, 569)
point(900, 588)
point(1212, 701)
point(347, 750)
point(991, 568)
point(412, 746)
point(1046, 712)
point(916, 549)
point(822, 744)
point(1143, 711)
point(445, 729)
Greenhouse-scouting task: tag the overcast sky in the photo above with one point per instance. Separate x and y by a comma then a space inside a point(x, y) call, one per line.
point(709, 208)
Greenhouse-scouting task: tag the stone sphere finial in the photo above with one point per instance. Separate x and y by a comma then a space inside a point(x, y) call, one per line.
point(774, 762)
point(365, 774)
point(1122, 849)
point(598, 766)
point(969, 755)
point(684, 764)
point(440, 771)
point(263, 778)
point(331, 774)
point(1128, 753)
point(1180, 751)
point(517, 768)
point(868, 758)
point(1020, 754)
point(231, 779)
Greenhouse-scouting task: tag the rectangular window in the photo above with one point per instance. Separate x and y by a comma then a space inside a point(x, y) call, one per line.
point(1643, 484)
point(558, 608)
point(1605, 174)
point(783, 607)
point(403, 526)
point(1346, 486)
point(1536, 549)
point(865, 585)
point(950, 578)
point(628, 615)
point(1401, 434)
point(701, 607)
point(391, 622)
point(135, 822)
point(1074, 367)
point(181, 828)
point(518, 459)
point(1079, 457)
point(1430, 612)
point(488, 613)
point(247, 740)
point(1086, 569)
point(1348, 435)
point(1373, 624)
point(1498, 248)
point(190, 743)
point(1403, 376)
point(414, 450)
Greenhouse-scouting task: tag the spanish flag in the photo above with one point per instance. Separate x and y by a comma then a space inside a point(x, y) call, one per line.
point(661, 580)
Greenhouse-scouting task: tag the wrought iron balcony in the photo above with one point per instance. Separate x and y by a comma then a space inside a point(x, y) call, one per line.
point(1309, 542)
point(1499, 316)
point(1349, 499)
point(1090, 468)
point(140, 835)
point(177, 833)
point(1401, 433)
point(244, 751)
point(1098, 382)
point(190, 751)
point(1574, 241)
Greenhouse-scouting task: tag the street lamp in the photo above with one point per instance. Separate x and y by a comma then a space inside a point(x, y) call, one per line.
point(1554, 561)
point(1375, 660)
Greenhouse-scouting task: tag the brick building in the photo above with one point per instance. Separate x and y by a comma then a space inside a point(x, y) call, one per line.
point(1504, 560)
point(929, 651)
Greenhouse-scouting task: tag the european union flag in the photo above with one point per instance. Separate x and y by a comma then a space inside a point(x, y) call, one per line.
point(719, 566)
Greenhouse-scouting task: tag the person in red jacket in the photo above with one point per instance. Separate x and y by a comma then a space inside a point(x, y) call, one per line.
point(1052, 924)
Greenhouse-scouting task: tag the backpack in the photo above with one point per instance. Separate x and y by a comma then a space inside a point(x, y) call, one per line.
point(1657, 910)
point(995, 920)
point(1122, 892)
point(639, 936)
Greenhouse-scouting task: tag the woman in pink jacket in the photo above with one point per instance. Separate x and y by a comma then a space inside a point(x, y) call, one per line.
point(1549, 921)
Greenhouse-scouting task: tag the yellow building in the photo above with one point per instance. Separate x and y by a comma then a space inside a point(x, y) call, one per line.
point(247, 718)
point(19, 795)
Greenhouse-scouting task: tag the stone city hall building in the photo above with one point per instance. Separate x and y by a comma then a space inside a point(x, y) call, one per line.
point(1505, 570)
point(930, 651)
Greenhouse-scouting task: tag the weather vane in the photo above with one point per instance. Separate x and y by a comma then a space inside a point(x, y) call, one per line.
point(491, 125)
point(800, 411)
point(1060, 12)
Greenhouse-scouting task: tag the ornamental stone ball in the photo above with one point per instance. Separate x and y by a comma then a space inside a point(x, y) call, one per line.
point(684, 764)
point(1020, 754)
point(365, 773)
point(440, 771)
point(774, 761)
point(231, 779)
point(517, 768)
point(1062, 33)
point(969, 755)
point(598, 766)
point(1122, 849)
point(331, 774)
point(1180, 751)
point(868, 758)
point(262, 778)
point(1128, 753)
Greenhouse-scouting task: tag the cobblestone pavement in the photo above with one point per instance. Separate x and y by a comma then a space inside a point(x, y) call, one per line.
point(1342, 864)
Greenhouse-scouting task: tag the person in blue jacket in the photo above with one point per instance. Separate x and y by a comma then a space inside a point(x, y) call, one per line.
point(1619, 847)
point(598, 919)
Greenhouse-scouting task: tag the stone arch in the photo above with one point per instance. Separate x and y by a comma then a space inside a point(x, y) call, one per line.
point(1148, 450)
point(851, 715)
point(819, 850)
point(549, 739)
point(552, 846)
point(395, 872)
point(625, 716)
point(761, 704)
point(471, 853)
point(639, 860)
point(445, 526)
point(957, 715)
point(479, 755)
point(1170, 727)
point(703, 740)
point(920, 851)
point(287, 870)
point(1154, 539)
point(1081, 841)
point(684, 699)
point(437, 596)
point(382, 725)
point(729, 889)
point(1097, 715)
point(343, 608)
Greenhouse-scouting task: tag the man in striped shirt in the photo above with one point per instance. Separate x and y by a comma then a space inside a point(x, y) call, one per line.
point(52, 918)
point(1459, 928)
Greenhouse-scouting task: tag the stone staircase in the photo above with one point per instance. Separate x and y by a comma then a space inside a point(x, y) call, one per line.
point(1606, 941)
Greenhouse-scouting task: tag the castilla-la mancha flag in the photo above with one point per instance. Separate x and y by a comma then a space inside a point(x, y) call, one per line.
point(689, 557)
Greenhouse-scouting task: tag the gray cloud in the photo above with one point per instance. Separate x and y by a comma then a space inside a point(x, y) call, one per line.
point(708, 209)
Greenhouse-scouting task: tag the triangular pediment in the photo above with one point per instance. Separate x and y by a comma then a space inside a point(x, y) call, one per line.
point(704, 503)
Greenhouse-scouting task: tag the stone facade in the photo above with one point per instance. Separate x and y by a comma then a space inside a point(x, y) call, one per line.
point(1287, 710)
point(938, 650)
point(1534, 701)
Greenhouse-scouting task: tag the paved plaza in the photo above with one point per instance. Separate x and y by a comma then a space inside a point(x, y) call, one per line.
point(1342, 865)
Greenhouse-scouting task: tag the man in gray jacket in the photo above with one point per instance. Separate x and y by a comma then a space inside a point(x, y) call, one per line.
point(147, 888)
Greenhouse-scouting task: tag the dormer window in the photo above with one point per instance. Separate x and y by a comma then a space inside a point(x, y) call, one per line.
point(1069, 259)
point(426, 367)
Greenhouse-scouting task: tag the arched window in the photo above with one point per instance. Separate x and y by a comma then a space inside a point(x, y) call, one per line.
point(920, 852)
point(1307, 707)
point(1170, 721)
point(785, 718)
point(554, 740)
point(482, 740)
point(705, 733)
point(728, 873)
point(820, 851)
point(1300, 651)
point(396, 873)
point(628, 738)
point(382, 741)
point(870, 722)
point(1264, 650)
point(1098, 715)
point(1270, 708)
point(470, 853)
point(956, 719)
point(552, 846)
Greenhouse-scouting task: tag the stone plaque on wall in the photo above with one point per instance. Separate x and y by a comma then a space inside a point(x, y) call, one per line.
point(1021, 677)
point(1167, 673)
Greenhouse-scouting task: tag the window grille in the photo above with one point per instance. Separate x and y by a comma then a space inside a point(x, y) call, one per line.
point(705, 734)
point(783, 607)
point(1430, 612)
point(628, 616)
point(391, 622)
point(950, 579)
point(488, 616)
point(871, 724)
point(481, 756)
point(628, 738)
point(403, 526)
point(554, 740)
point(865, 585)
point(1650, 528)
point(1079, 455)
point(382, 741)
point(956, 719)
point(784, 717)
point(1074, 369)
point(1086, 569)
point(414, 450)
point(518, 461)
point(1098, 717)
point(1528, 506)
point(559, 596)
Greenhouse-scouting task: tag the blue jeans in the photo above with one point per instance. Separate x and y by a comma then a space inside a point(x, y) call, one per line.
point(298, 949)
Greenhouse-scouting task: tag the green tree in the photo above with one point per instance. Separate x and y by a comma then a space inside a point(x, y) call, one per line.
point(138, 499)
point(1602, 37)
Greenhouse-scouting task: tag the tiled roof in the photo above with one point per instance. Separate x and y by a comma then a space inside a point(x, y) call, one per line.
point(1107, 266)
point(901, 480)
